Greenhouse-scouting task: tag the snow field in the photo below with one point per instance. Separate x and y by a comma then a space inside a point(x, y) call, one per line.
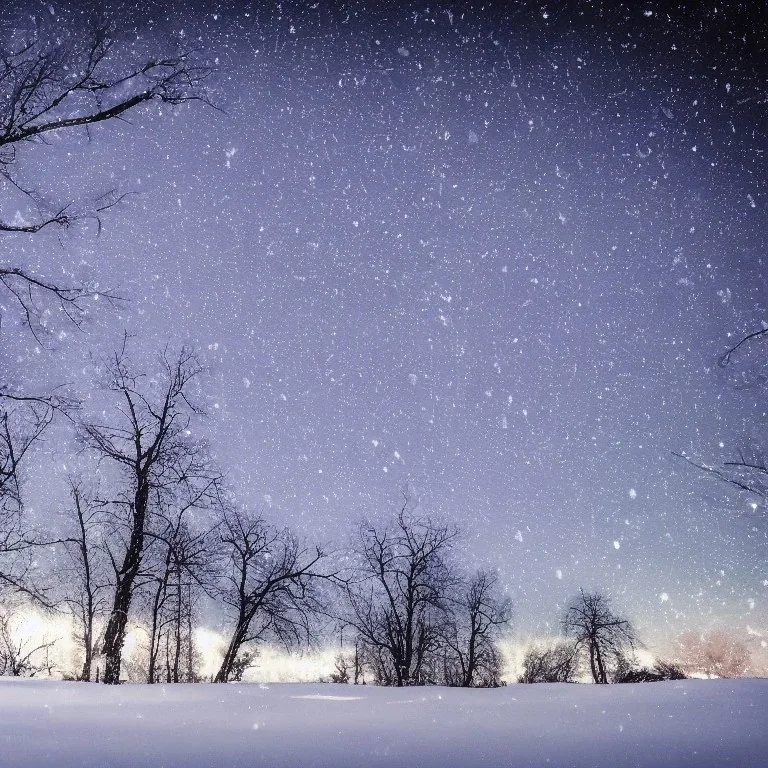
point(697, 723)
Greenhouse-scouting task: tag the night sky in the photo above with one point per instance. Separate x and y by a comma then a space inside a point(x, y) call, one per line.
point(491, 252)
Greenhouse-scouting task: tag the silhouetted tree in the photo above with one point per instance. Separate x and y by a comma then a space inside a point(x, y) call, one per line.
point(399, 599)
point(84, 577)
point(244, 661)
point(748, 471)
point(150, 443)
point(629, 670)
point(55, 78)
point(669, 670)
point(65, 76)
point(342, 665)
point(558, 663)
point(183, 567)
point(598, 631)
point(268, 584)
point(22, 422)
point(348, 667)
point(478, 616)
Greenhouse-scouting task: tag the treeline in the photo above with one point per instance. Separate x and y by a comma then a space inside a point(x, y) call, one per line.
point(160, 537)
point(602, 644)
point(158, 540)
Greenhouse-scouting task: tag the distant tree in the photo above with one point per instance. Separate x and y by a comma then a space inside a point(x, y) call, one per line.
point(244, 661)
point(629, 670)
point(597, 631)
point(149, 441)
point(341, 669)
point(717, 653)
point(21, 656)
point(83, 575)
point(56, 78)
point(349, 666)
point(398, 601)
point(558, 663)
point(669, 670)
point(478, 615)
point(181, 567)
point(268, 585)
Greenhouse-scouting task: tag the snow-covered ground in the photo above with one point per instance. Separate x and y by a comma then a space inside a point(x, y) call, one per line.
point(691, 723)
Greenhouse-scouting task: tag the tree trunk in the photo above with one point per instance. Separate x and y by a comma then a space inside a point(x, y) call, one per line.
point(88, 610)
point(85, 675)
point(595, 678)
point(177, 633)
point(601, 667)
point(154, 632)
point(471, 660)
point(190, 646)
point(228, 662)
point(114, 637)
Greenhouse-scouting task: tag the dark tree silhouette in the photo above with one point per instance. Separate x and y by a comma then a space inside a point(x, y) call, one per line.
point(20, 428)
point(84, 576)
point(558, 663)
point(268, 584)
point(479, 615)
point(183, 568)
point(151, 444)
point(55, 78)
point(598, 631)
point(399, 599)
point(629, 670)
point(59, 78)
point(748, 472)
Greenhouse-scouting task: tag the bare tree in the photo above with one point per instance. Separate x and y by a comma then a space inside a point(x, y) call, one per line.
point(348, 667)
point(558, 663)
point(151, 444)
point(20, 427)
point(598, 631)
point(85, 578)
point(58, 78)
point(748, 471)
point(269, 584)
point(183, 569)
point(717, 653)
point(398, 601)
point(479, 615)
point(21, 656)
point(629, 670)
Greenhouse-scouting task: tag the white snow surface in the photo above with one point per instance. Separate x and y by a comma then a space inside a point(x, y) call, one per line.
point(699, 723)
